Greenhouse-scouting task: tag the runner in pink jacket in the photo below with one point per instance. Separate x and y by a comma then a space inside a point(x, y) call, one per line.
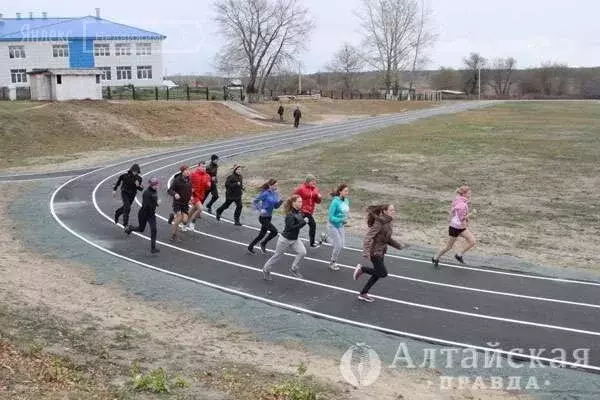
point(459, 222)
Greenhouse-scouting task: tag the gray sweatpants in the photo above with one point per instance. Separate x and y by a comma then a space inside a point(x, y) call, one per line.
point(283, 245)
point(337, 240)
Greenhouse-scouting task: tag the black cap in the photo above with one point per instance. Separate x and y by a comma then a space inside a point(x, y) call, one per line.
point(214, 157)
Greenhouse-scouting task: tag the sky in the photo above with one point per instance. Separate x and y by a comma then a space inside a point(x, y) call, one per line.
point(532, 31)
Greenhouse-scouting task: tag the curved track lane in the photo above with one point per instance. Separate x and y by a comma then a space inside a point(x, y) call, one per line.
point(453, 305)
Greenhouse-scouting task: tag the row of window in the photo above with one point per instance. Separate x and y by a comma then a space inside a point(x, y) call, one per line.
point(100, 50)
point(123, 73)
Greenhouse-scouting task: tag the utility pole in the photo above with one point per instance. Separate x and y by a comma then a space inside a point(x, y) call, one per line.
point(479, 79)
point(299, 78)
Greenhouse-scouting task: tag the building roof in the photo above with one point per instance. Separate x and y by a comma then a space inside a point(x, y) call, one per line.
point(65, 71)
point(40, 29)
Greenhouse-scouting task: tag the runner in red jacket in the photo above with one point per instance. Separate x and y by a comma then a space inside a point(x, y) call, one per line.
point(310, 198)
point(201, 182)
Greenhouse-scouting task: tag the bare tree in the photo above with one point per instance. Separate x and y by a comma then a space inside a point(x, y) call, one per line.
point(389, 33)
point(447, 79)
point(424, 37)
point(347, 62)
point(552, 78)
point(474, 63)
point(500, 76)
point(259, 35)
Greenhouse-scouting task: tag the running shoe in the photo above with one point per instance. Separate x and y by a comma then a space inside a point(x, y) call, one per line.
point(154, 251)
point(366, 297)
point(263, 248)
point(436, 263)
point(296, 273)
point(267, 275)
point(333, 266)
point(357, 272)
point(459, 258)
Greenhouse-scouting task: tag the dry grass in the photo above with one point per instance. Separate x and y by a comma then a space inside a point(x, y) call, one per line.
point(533, 168)
point(62, 131)
point(329, 110)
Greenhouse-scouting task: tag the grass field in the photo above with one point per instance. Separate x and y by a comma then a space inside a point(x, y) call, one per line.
point(326, 109)
point(533, 167)
point(42, 133)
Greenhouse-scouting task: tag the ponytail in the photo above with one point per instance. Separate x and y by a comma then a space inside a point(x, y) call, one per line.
point(268, 184)
point(374, 211)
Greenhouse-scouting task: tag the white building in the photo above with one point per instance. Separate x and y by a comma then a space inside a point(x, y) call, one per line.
point(125, 55)
point(65, 84)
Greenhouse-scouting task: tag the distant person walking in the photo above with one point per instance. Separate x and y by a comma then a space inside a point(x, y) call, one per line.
point(201, 182)
point(297, 116)
point(310, 198)
point(268, 200)
point(375, 243)
point(147, 214)
point(337, 218)
point(130, 183)
point(181, 190)
point(459, 226)
point(294, 221)
point(234, 188)
point(280, 111)
point(212, 170)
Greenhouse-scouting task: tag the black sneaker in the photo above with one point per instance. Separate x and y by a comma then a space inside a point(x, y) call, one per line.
point(436, 263)
point(314, 245)
point(209, 210)
point(459, 258)
point(218, 216)
point(171, 218)
point(128, 230)
point(251, 250)
point(154, 251)
point(263, 248)
point(116, 219)
point(237, 223)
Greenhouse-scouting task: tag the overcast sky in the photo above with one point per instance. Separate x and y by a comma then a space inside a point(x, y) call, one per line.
point(532, 31)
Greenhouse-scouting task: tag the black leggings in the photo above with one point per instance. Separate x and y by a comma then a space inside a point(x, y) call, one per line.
point(265, 226)
point(214, 192)
point(312, 228)
point(377, 271)
point(146, 217)
point(238, 208)
point(126, 208)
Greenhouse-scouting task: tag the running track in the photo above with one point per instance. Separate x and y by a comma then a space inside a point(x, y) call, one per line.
point(453, 305)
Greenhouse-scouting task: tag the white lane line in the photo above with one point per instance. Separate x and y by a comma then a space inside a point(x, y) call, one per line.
point(315, 283)
point(311, 312)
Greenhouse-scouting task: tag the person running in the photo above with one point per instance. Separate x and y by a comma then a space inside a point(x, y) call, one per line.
point(212, 170)
point(459, 221)
point(181, 190)
point(268, 200)
point(147, 214)
point(201, 182)
point(130, 183)
point(310, 198)
point(375, 243)
point(337, 217)
point(297, 116)
point(234, 187)
point(294, 221)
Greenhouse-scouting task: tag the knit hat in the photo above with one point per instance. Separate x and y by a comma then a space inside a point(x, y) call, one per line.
point(310, 177)
point(153, 181)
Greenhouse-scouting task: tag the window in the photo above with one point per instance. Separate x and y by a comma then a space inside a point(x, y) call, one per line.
point(143, 49)
point(18, 76)
point(144, 72)
point(16, 51)
point(59, 79)
point(123, 49)
point(102, 49)
point(106, 75)
point(97, 79)
point(60, 50)
point(123, 73)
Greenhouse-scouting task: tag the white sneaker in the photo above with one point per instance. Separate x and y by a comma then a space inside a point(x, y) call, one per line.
point(191, 226)
point(333, 266)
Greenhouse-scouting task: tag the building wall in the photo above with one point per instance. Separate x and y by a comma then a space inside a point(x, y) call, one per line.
point(38, 55)
point(40, 87)
point(77, 87)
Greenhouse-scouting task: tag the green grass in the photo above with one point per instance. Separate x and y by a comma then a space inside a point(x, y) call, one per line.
point(533, 168)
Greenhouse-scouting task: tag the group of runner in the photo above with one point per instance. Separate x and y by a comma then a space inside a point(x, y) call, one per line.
point(191, 187)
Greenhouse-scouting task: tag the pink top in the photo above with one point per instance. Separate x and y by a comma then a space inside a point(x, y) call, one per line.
point(459, 212)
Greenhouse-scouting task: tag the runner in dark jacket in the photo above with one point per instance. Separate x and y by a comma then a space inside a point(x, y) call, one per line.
point(130, 183)
point(234, 188)
point(147, 214)
point(212, 169)
point(297, 116)
point(181, 190)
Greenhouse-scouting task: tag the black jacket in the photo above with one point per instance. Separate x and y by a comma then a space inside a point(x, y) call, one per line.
point(149, 200)
point(130, 183)
point(297, 113)
point(182, 186)
point(234, 186)
point(294, 221)
point(212, 169)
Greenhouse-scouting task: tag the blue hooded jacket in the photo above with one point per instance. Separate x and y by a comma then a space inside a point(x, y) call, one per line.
point(267, 200)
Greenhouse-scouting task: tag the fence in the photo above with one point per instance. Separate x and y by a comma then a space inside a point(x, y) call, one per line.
point(163, 93)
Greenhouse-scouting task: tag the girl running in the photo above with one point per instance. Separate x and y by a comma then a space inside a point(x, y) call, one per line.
point(294, 221)
point(265, 203)
point(337, 218)
point(130, 183)
point(459, 221)
point(375, 245)
point(147, 214)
